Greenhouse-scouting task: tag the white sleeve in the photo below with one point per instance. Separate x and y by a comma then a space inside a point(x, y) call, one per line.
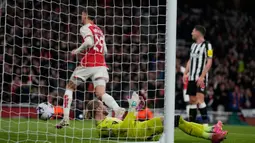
point(85, 32)
point(105, 48)
point(88, 42)
point(87, 36)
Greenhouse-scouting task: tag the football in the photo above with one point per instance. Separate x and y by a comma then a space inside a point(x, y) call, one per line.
point(45, 111)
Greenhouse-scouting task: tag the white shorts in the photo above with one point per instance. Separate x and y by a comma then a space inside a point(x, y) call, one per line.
point(98, 75)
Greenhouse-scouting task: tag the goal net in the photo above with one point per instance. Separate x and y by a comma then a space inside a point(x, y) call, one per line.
point(38, 38)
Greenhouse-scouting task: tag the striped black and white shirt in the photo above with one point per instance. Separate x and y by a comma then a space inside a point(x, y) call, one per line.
point(198, 58)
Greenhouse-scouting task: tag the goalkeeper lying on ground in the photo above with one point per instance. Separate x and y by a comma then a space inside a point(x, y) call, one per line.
point(129, 128)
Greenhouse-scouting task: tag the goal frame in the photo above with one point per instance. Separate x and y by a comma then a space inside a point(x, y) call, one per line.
point(170, 48)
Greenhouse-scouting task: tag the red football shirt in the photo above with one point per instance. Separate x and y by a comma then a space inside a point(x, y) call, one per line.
point(94, 56)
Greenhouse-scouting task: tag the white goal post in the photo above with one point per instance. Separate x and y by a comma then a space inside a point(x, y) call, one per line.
point(171, 19)
point(36, 62)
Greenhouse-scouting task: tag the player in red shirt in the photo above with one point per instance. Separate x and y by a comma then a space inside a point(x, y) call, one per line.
point(92, 66)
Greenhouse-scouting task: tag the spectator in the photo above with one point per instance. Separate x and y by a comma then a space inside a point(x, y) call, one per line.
point(236, 99)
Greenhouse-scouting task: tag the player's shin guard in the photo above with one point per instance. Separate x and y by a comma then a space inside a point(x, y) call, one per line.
point(110, 102)
point(203, 112)
point(192, 112)
point(67, 101)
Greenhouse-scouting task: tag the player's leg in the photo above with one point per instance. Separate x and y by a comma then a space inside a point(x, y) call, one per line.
point(186, 100)
point(67, 99)
point(100, 77)
point(191, 128)
point(197, 130)
point(192, 108)
point(210, 129)
point(131, 115)
point(202, 107)
point(105, 97)
point(68, 96)
point(191, 91)
point(201, 91)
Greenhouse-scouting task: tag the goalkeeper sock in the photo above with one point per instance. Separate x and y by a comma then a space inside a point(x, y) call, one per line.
point(203, 112)
point(193, 130)
point(110, 102)
point(68, 96)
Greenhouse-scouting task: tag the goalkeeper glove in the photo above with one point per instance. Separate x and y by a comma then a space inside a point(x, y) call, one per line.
point(134, 101)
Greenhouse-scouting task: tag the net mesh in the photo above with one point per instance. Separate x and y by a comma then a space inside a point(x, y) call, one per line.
point(38, 38)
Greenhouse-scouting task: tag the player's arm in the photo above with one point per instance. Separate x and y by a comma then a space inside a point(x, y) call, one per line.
point(110, 128)
point(207, 68)
point(209, 52)
point(132, 112)
point(129, 118)
point(88, 42)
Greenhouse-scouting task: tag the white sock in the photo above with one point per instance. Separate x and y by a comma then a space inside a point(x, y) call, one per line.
point(110, 102)
point(192, 106)
point(202, 105)
point(67, 100)
point(187, 109)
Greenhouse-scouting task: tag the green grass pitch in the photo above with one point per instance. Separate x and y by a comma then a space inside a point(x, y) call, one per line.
point(31, 131)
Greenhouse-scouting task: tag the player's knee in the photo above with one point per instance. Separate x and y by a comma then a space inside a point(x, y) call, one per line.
point(99, 91)
point(192, 100)
point(71, 85)
point(200, 98)
point(99, 95)
point(200, 101)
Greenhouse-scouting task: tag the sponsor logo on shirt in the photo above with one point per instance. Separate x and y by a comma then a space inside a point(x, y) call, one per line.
point(194, 55)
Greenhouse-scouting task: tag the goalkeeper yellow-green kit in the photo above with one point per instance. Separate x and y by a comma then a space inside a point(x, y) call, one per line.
point(129, 128)
point(152, 129)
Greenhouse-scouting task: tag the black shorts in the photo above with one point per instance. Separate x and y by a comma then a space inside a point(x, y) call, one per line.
point(193, 89)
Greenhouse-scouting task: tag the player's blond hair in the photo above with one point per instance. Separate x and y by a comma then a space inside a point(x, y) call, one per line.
point(90, 109)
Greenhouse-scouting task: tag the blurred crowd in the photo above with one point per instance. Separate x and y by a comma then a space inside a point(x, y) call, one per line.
point(41, 34)
point(231, 32)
